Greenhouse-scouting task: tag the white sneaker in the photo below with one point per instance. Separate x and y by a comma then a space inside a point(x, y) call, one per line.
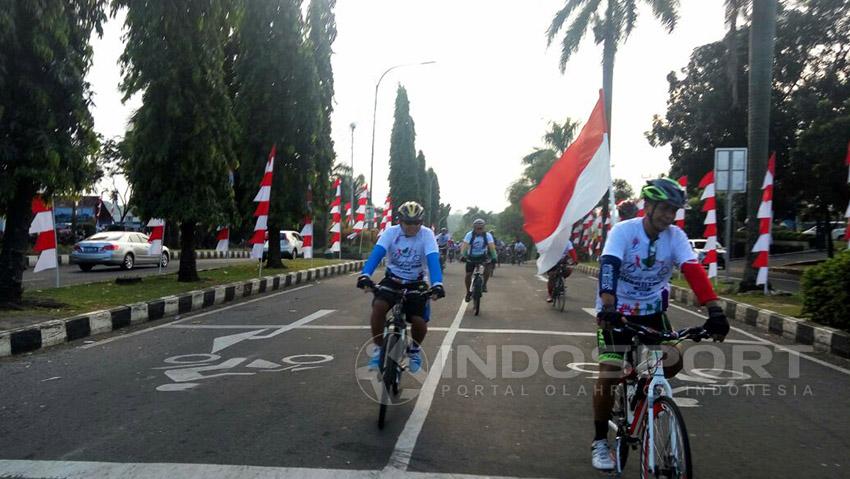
point(601, 455)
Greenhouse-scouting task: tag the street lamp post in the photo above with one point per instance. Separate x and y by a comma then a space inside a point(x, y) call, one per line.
point(374, 115)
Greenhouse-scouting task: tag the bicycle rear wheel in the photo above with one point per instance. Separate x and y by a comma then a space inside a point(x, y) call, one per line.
point(476, 295)
point(672, 451)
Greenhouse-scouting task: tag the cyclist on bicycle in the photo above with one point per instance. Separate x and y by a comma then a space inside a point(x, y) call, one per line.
point(443, 245)
point(519, 251)
point(561, 267)
point(477, 248)
point(408, 247)
point(635, 268)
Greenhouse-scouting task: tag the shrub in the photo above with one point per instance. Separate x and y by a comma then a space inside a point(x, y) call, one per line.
point(826, 292)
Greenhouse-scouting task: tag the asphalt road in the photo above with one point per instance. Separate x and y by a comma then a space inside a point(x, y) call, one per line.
point(71, 274)
point(274, 387)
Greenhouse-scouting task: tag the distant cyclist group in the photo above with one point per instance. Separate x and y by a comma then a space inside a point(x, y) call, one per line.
point(635, 269)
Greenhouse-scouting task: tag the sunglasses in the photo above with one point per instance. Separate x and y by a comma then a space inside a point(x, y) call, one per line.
point(412, 223)
point(650, 255)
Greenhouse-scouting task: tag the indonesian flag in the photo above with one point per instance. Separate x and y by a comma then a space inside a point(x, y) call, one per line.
point(765, 215)
point(349, 216)
point(307, 236)
point(710, 209)
point(361, 209)
point(680, 213)
point(157, 226)
point(45, 244)
point(569, 189)
point(258, 240)
point(337, 218)
point(387, 218)
point(223, 237)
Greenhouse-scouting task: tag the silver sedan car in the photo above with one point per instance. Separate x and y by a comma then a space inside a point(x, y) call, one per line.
point(116, 248)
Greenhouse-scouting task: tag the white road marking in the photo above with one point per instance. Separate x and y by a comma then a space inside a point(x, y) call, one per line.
point(85, 470)
point(525, 331)
point(777, 346)
point(193, 316)
point(400, 458)
point(227, 341)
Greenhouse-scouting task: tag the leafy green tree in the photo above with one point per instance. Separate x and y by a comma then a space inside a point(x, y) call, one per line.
point(279, 102)
point(183, 136)
point(321, 26)
point(432, 209)
point(404, 169)
point(622, 190)
point(47, 140)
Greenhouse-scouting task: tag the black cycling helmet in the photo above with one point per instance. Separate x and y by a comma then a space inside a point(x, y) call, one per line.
point(665, 190)
point(411, 212)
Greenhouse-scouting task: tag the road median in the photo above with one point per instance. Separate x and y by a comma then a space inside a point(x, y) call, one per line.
point(165, 298)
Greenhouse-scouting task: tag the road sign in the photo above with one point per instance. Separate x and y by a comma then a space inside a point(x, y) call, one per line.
point(730, 161)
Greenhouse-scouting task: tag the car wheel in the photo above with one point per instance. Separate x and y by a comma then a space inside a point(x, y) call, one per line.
point(164, 260)
point(128, 262)
point(86, 267)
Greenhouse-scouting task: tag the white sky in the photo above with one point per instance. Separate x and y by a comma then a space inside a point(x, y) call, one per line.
point(487, 101)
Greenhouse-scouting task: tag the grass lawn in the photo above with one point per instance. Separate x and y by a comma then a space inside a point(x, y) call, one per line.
point(83, 298)
point(788, 305)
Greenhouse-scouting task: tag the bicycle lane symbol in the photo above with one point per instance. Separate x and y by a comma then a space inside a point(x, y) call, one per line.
point(185, 370)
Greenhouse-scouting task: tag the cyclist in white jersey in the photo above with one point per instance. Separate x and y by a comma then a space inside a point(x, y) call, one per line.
point(636, 265)
point(478, 247)
point(409, 247)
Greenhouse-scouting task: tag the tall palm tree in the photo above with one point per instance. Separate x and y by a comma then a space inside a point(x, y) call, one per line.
point(611, 23)
point(762, 40)
point(735, 9)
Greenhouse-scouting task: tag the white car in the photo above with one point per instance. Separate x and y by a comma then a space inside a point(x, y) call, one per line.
point(291, 244)
point(837, 232)
point(698, 245)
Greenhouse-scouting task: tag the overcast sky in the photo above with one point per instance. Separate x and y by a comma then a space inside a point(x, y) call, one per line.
point(487, 101)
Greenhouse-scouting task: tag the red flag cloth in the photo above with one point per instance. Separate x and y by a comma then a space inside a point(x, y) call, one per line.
point(572, 187)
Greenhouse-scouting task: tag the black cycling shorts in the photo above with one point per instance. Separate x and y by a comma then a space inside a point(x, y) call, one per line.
point(612, 344)
point(413, 306)
point(470, 263)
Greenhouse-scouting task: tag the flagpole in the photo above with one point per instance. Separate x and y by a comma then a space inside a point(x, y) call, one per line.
point(161, 245)
point(56, 237)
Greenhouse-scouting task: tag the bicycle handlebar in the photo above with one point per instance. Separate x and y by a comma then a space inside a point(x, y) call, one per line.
point(407, 293)
point(651, 335)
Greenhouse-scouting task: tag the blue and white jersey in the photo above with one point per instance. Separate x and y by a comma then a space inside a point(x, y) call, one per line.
point(442, 240)
point(406, 255)
point(478, 245)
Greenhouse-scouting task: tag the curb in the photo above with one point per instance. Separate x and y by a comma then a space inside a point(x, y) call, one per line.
point(199, 254)
point(59, 331)
point(822, 338)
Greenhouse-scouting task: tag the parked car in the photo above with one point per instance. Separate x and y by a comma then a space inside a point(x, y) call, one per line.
point(291, 244)
point(698, 246)
point(837, 230)
point(116, 248)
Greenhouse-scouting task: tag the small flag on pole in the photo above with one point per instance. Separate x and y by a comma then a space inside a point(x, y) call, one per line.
point(45, 244)
point(710, 209)
point(223, 237)
point(765, 216)
point(258, 240)
point(157, 226)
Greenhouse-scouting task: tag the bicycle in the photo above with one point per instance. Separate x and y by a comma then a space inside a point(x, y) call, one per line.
point(477, 287)
point(443, 255)
point(394, 353)
point(662, 436)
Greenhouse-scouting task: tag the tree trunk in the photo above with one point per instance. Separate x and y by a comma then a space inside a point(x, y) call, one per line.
point(188, 265)
point(609, 49)
point(273, 258)
point(762, 39)
point(15, 242)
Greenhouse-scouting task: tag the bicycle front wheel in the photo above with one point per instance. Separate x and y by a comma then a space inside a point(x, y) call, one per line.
point(388, 376)
point(671, 450)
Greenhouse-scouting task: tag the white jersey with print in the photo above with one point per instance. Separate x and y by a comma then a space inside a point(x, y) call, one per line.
point(406, 255)
point(478, 246)
point(644, 273)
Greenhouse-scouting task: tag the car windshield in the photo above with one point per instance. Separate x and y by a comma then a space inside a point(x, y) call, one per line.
point(106, 237)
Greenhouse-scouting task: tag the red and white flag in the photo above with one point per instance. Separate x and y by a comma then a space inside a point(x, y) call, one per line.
point(571, 188)
point(361, 209)
point(680, 213)
point(336, 215)
point(223, 237)
point(765, 216)
point(710, 209)
point(157, 226)
point(307, 237)
point(348, 218)
point(42, 225)
point(258, 240)
point(387, 217)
